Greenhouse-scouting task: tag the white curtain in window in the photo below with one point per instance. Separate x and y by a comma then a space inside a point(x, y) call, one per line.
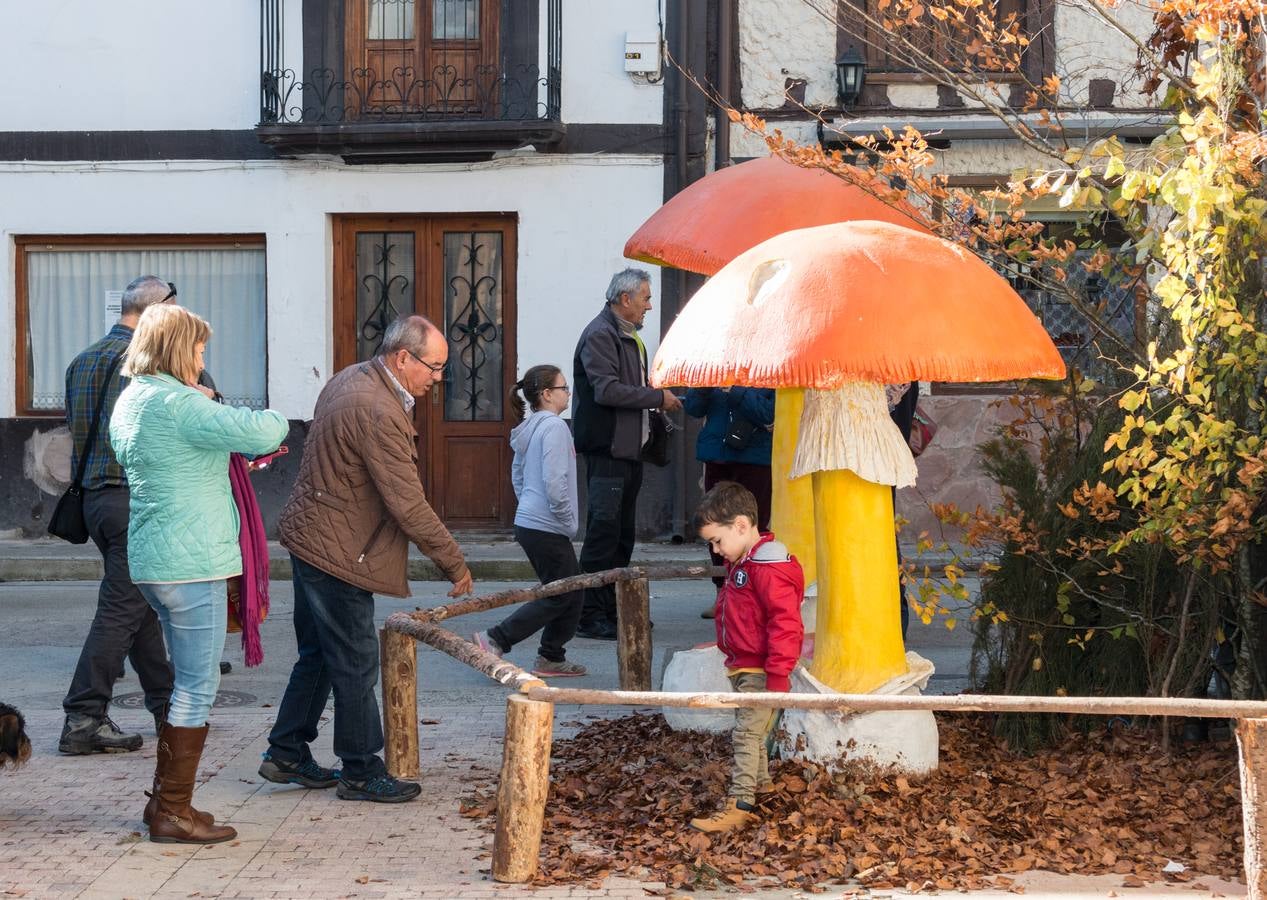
point(391, 20)
point(66, 299)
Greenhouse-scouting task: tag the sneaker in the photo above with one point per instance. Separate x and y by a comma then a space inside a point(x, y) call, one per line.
point(85, 734)
point(306, 773)
point(488, 645)
point(548, 668)
point(379, 789)
point(601, 632)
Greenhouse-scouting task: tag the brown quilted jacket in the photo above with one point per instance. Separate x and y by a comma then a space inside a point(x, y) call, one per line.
point(357, 502)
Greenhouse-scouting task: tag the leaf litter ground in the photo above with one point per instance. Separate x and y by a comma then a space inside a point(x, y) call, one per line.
point(622, 791)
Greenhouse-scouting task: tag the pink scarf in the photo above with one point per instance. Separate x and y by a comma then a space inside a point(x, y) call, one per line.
point(253, 603)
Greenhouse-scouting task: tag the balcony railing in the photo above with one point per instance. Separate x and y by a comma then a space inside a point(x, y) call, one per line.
point(402, 82)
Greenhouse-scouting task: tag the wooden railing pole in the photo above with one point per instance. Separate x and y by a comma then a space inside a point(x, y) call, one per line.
point(521, 792)
point(399, 659)
point(1251, 739)
point(633, 634)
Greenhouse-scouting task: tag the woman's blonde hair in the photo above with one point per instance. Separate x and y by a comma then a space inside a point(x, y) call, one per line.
point(164, 343)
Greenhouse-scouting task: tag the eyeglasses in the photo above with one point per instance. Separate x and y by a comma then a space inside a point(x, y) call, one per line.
point(436, 369)
point(559, 387)
point(171, 293)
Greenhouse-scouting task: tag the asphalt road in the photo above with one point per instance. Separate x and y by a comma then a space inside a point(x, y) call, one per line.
point(43, 624)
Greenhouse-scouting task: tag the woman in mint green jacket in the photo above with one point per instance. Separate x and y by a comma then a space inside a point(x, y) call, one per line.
point(174, 442)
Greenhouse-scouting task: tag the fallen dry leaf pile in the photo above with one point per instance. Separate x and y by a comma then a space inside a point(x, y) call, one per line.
point(622, 792)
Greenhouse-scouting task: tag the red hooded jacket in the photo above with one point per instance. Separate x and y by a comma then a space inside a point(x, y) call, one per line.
point(759, 612)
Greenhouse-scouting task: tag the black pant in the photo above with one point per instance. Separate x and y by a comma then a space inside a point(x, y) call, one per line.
point(125, 625)
point(552, 558)
point(612, 486)
point(338, 651)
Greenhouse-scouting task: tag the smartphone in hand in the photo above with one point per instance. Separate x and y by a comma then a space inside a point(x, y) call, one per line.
point(261, 462)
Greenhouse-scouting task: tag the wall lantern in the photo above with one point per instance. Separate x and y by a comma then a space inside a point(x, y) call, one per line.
point(851, 73)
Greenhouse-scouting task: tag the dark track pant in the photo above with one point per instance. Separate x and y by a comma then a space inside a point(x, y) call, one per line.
point(125, 626)
point(552, 558)
point(612, 487)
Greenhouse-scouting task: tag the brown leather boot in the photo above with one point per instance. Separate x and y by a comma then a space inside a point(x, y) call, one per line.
point(735, 814)
point(174, 820)
point(151, 807)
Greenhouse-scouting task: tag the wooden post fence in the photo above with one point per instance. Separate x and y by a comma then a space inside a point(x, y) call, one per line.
point(521, 792)
point(525, 774)
point(633, 634)
point(399, 660)
point(1251, 739)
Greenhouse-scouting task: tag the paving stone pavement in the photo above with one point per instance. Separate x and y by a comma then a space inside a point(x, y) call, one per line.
point(70, 826)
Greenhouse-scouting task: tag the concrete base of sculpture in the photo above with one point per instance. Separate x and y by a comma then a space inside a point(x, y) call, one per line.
point(904, 739)
point(695, 671)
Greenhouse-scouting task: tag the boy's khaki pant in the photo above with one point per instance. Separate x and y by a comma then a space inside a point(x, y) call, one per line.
point(752, 765)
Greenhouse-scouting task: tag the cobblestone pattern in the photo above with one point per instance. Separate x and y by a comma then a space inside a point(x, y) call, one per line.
point(70, 826)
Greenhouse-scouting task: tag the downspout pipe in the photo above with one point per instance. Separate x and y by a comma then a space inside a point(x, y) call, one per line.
point(725, 71)
point(681, 108)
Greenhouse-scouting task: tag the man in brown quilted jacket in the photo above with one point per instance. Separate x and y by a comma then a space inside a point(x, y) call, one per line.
point(355, 507)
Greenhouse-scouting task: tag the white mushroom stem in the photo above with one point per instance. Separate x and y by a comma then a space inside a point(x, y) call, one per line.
point(850, 428)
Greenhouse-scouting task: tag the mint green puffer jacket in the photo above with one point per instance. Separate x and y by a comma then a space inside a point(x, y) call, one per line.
point(174, 444)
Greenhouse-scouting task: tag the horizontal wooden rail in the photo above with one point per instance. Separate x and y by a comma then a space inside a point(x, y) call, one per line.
point(500, 670)
point(562, 586)
point(1094, 706)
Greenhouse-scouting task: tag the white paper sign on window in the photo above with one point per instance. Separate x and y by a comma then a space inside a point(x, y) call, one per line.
point(113, 308)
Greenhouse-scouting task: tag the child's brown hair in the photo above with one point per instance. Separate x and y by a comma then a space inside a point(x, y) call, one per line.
point(725, 502)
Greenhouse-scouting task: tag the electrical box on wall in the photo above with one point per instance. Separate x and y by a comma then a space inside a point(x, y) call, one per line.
point(642, 52)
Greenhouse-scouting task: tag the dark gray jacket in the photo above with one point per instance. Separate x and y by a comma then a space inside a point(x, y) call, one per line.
point(609, 392)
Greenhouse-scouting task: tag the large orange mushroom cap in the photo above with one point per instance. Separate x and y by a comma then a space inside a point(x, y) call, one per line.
point(854, 301)
point(733, 209)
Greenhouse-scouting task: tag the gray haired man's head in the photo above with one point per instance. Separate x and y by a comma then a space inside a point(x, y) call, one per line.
point(142, 293)
point(407, 333)
point(626, 281)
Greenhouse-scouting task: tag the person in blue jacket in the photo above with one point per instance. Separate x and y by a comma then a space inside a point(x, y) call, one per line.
point(734, 444)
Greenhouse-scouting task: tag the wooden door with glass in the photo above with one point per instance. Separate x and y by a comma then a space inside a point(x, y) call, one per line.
point(459, 272)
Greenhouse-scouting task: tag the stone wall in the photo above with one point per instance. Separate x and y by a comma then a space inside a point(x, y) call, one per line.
point(949, 470)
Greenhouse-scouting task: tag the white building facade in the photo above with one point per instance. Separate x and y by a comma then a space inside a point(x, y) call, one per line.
point(305, 170)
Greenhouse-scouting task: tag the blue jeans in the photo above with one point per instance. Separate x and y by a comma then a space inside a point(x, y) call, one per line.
point(338, 652)
point(193, 616)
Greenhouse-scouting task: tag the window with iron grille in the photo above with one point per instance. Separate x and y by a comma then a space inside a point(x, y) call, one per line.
point(887, 45)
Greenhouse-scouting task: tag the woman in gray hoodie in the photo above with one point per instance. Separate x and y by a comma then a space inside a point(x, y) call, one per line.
point(544, 476)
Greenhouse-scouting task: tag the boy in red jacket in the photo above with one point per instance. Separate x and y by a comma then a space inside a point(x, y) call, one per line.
point(758, 629)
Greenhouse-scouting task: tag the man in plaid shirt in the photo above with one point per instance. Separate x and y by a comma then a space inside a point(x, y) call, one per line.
point(125, 625)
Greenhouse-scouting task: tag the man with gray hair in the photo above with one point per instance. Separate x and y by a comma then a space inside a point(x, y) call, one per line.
point(611, 421)
point(124, 625)
point(355, 507)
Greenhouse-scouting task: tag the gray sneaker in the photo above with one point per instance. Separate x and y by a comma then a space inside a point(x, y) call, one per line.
point(85, 734)
point(546, 668)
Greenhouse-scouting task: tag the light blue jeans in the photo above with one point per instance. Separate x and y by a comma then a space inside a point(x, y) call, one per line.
point(194, 615)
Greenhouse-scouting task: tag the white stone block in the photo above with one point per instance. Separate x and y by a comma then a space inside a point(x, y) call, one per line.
point(695, 671)
point(905, 739)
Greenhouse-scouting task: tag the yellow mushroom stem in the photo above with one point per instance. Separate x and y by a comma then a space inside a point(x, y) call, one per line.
point(791, 500)
point(858, 639)
point(855, 453)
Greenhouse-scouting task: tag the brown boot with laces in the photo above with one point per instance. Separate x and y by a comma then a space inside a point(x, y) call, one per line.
point(735, 814)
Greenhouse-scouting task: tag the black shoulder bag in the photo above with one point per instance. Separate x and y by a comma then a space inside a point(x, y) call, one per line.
point(67, 521)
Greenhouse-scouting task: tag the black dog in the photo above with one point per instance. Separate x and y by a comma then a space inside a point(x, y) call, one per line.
point(15, 746)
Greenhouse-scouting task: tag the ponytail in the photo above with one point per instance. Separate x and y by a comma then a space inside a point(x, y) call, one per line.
point(526, 392)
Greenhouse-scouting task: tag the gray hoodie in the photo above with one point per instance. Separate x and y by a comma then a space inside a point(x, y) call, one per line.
point(544, 474)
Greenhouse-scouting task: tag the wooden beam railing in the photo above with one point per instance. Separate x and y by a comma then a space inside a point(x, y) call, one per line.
point(525, 772)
